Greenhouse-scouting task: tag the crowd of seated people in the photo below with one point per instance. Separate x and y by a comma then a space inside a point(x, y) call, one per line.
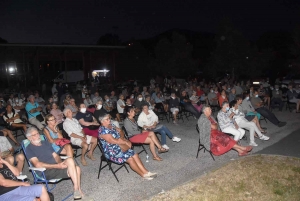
point(94, 117)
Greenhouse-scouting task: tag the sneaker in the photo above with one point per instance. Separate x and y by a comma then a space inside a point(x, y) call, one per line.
point(165, 146)
point(146, 177)
point(77, 195)
point(176, 139)
point(87, 198)
point(253, 144)
point(281, 124)
point(151, 174)
point(175, 122)
point(263, 137)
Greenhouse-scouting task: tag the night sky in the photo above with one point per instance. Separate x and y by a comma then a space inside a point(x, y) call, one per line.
point(83, 22)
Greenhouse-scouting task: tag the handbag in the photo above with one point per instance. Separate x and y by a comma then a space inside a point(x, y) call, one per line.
point(40, 118)
point(93, 127)
point(62, 142)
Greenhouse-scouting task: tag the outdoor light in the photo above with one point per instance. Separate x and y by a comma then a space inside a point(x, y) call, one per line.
point(255, 82)
point(11, 69)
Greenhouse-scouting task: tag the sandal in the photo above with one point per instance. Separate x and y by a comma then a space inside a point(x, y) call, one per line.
point(248, 148)
point(162, 150)
point(157, 158)
point(263, 132)
point(244, 153)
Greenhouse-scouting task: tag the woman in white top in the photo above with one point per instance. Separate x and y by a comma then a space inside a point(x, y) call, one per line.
point(13, 118)
point(239, 118)
point(148, 120)
point(195, 99)
point(54, 89)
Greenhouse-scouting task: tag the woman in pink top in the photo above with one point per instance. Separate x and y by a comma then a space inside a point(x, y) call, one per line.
point(58, 114)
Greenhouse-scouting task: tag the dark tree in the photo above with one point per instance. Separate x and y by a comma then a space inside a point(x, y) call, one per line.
point(109, 39)
point(3, 40)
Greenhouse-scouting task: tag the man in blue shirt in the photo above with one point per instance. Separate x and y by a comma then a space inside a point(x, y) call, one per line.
point(33, 110)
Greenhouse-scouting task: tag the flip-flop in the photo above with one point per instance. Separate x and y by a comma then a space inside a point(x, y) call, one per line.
point(248, 148)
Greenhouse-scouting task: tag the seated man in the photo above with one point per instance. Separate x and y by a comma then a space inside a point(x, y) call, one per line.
point(13, 118)
point(78, 137)
point(232, 95)
point(259, 107)
point(262, 93)
point(186, 102)
point(7, 152)
point(73, 107)
point(12, 189)
point(96, 98)
point(41, 155)
point(293, 97)
point(174, 107)
point(277, 98)
point(247, 107)
point(34, 112)
point(227, 124)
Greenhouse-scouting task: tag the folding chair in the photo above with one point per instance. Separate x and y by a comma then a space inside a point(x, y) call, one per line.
point(185, 113)
point(289, 104)
point(201, 146)
point(108, 163)
point(179, 115)
point(133, 144)
point(74, 147)
point(41, 178)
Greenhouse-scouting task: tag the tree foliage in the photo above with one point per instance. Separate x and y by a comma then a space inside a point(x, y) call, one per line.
point(173, 56)
point(109, 39)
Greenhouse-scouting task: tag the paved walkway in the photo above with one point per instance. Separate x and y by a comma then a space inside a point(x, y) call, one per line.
point(288, 146)
point(179, 165)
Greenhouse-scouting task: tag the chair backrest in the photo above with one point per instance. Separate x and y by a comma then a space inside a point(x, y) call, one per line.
point(24, 145)
point(125, 132)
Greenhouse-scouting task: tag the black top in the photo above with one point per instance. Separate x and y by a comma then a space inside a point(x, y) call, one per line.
point(7, 174)
point(87, 117)
point(173, 102)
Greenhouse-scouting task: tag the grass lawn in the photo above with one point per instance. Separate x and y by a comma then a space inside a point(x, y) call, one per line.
point(260, 177)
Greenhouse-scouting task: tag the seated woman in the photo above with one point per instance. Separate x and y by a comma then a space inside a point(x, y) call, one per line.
point(239, 118)
point(67, 100)
point(148, 120)
point(119, 150)
point(13, 118)
point(194, 100)
point(58, 115)
point(146, 137)
point(87, 121)
point(53, 134)
point(222, 98)
point(214, 140)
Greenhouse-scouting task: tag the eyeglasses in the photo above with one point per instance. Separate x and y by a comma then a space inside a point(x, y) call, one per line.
point(36, 134)
point(52, 119)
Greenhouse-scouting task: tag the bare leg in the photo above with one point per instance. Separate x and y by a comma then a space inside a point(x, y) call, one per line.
point(8, 133)
point(67, 150)
point(152, 146)
point(73, 172)
point(134, 166)
point(153, 137)
point(139, 163)
point(44, 196)
point(23, 126)
point(84, 146)
point(20, 161)
point(93, 146)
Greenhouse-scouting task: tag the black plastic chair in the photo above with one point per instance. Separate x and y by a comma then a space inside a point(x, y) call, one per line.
point(201, 146)
point(134, 144)
point(109, 164)
point(289, 104)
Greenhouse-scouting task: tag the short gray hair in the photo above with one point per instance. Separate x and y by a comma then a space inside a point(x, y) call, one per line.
point(65, 111)
point(101, 117)
point(224, 103)
point(204, 107)
point(30, 130)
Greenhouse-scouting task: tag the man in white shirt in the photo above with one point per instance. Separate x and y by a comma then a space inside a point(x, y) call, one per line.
point(78, 137)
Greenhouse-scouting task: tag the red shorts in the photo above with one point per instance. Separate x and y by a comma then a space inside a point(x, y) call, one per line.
point(93, 133)
point(139, 138)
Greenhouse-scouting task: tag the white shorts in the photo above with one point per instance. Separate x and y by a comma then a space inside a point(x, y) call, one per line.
point(294, 100)
point(174, 110)
point(78, 141)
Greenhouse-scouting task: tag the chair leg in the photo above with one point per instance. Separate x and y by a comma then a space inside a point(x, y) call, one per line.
point(109, 164)
point(100, 167)
point(212, 155)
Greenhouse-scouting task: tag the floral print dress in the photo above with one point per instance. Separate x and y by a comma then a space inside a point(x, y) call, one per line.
point(113, 152)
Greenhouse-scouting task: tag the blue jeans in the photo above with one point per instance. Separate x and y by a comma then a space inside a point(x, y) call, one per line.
point(163, 132)
point(23, 193)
